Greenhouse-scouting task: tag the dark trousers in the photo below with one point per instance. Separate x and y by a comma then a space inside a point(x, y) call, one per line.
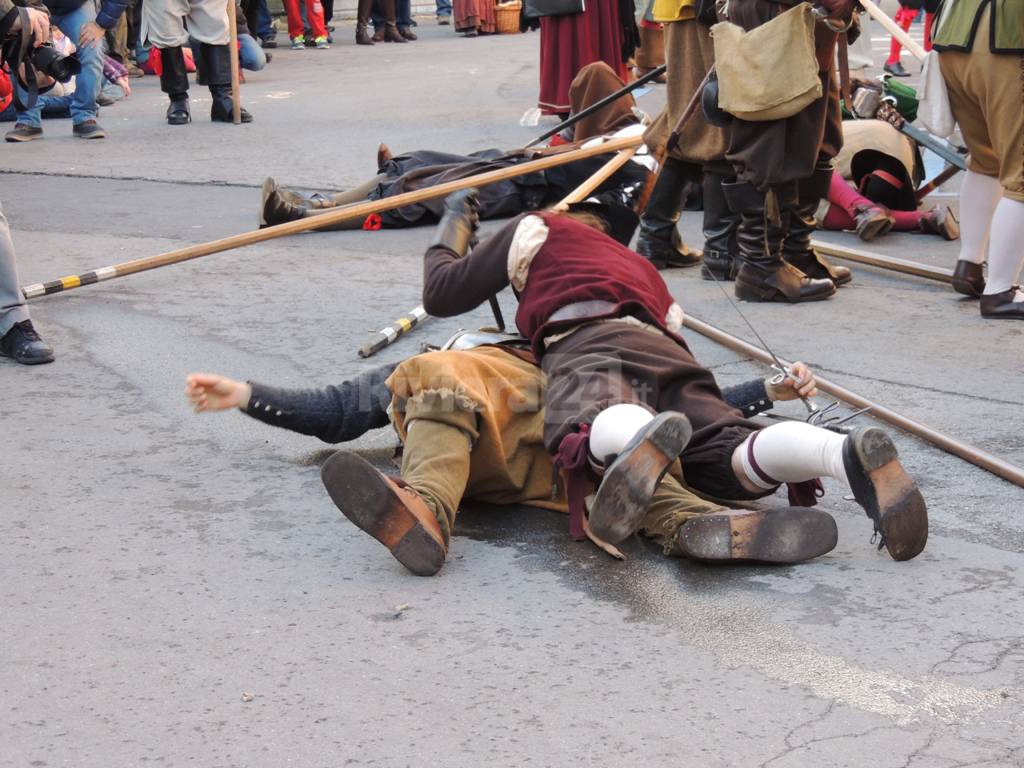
point(606, 363)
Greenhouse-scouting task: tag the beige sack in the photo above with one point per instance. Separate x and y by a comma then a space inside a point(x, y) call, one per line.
point(771, 72)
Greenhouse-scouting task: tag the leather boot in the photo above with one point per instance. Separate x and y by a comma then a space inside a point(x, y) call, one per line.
point(363, 22)
point(174, 82)
point(391, 33)
point(763, 275)
point(387, 509)
point(216, 72)
point(796, 248)
point(720, 223)
point(659, 240)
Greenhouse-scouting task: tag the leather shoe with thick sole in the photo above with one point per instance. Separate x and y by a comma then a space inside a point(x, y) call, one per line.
point(969, 278)
point(22, 132)
point(889, 495)
point(629, 482)
point(873, 221)
point(23, 345)
point(89, 129)
point(780, 535)
point(1002, 306)
point(394, 514)
point(940, 221)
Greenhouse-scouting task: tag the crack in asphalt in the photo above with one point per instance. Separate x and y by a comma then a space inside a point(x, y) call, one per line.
point(106, 177)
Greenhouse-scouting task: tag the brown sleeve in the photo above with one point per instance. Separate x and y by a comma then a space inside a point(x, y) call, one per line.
point(452, 285)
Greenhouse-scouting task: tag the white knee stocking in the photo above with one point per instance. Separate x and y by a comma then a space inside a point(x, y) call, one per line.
point(792, 452)
point(979, 197)
point(1006, 247)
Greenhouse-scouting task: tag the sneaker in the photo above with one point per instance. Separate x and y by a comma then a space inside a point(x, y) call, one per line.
point(298, 43)
point(23, 345)
point(321, 42)
point(444, 21)
point(23, 132)
point(268, 42)
point(89, 129)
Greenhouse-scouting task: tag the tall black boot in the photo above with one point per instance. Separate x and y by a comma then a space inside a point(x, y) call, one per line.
point(174, 82)
point(721, 255)
point(216, 73)
point(797, 248)
point(763, 275)
point(659, 240)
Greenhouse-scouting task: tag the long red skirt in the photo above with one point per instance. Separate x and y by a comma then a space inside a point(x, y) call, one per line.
point(474, 14)
point(569, 43)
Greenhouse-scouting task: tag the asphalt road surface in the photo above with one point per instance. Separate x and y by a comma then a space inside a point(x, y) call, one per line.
point(179, 590)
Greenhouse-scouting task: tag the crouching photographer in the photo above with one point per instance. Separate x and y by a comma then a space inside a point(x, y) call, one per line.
point(78, 19)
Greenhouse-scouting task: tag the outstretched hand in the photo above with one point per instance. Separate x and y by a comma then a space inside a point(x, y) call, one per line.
point(210, 392)
point(801, 383)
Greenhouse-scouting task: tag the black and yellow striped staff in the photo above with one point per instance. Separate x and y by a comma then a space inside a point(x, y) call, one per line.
point(392, 333)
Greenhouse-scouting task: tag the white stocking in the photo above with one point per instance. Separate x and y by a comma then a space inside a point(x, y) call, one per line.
point(1006, 247)
point(792, 453)
point(979, 197)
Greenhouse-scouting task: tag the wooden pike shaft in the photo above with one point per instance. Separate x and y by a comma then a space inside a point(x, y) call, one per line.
point(357, 211)
point(894, 29)
point(391, 334)
point(974, 455)
point(884, 262)
point(236, 97)
point(388, 336)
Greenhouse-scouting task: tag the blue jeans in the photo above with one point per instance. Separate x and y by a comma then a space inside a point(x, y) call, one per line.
point(403, 14)
point(87, 83)
point(51, 106)
point(444, 8)
point(264, 27)
point(250, 53)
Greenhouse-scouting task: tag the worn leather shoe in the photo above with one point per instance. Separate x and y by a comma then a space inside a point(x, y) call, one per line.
point(384, 155)
point(889, 495)
point(872, 221)
point(22, 132)
point(387, 509)
point(1008, 305)
point(177, 111)
point(407, 33)
point(783, 283)
point(629, 482)
point(23, 345)
point(780, 535)
point(940, 221)
point(89, 129)
point(277, 205)
point(969, 278)
point(896, 70)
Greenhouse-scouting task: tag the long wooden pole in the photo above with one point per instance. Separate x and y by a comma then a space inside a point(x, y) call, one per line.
point(894, 29)
point(973, 454)
point(357, 211)
point(236, 98)
point(389, 335)
point(884, 262)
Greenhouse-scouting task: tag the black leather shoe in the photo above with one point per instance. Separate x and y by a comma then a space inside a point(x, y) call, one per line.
point(1001, 306)
point(969, 278)
point(887, 493)
point(177, 111)
point(781, 535)
point(896, 70)
point(23, 345)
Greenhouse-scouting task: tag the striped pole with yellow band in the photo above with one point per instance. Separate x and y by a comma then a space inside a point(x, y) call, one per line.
point(387, 336)
point(66, 283)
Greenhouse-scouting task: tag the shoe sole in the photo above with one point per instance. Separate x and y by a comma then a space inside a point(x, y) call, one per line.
point(875, 229)
point(888, 494)
point(787, 535)
point(363, 495)
point(30, 361)
point(97, 135)
point(22, 139)
point(623, 498)
point(269, 185)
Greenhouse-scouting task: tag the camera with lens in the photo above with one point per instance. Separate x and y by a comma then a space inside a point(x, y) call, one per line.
point(48, 62)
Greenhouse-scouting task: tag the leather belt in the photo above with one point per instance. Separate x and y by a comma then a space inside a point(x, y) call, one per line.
point(583, 310)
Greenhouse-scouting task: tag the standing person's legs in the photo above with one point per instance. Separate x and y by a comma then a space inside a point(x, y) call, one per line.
point(444, 11)
point(296, 29)
point(89, 81)
point(208, 23)
point(18, 339)
point(315, 18)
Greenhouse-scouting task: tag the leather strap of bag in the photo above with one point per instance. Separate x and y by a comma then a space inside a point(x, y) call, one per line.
point(844, 72)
